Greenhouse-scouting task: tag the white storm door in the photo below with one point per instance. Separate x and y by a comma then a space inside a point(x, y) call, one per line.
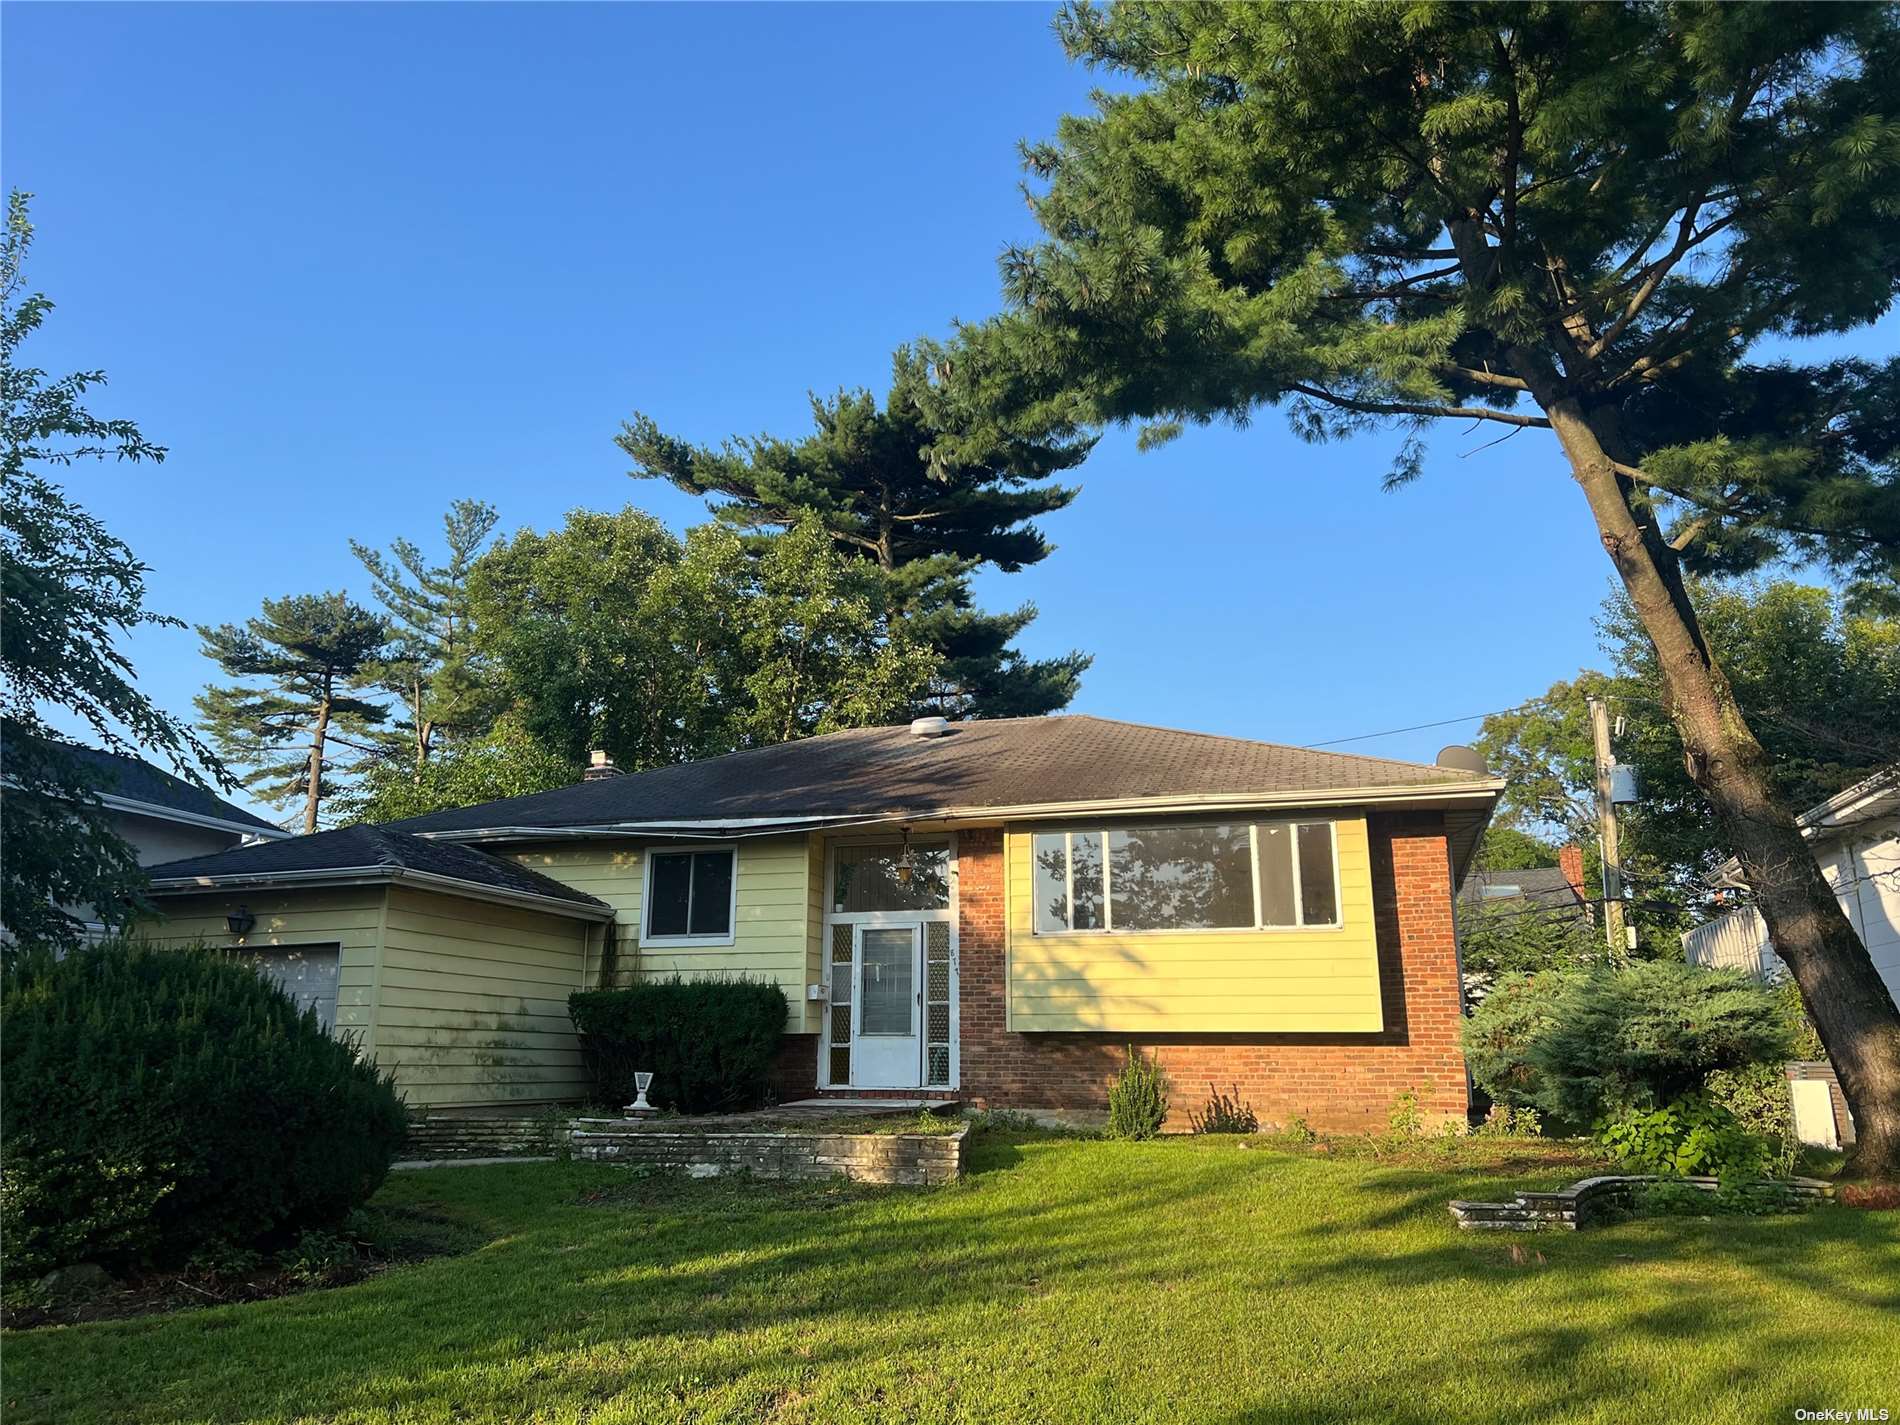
point(887, 1043)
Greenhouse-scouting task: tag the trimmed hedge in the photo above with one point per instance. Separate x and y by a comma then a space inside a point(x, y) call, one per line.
point(158, 1103)
point(709, 1044)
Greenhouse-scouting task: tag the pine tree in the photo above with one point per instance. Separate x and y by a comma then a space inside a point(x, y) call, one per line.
point(432, 664)
point(297, 718)
point(1577, 219)
point(925, 504)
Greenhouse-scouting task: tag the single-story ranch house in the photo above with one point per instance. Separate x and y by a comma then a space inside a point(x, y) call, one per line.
point(987, 910)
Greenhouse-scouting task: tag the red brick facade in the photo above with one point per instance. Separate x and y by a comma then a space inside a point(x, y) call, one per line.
point(1344, 1081)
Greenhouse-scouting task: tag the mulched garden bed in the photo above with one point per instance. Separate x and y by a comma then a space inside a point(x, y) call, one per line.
point(377, 1239)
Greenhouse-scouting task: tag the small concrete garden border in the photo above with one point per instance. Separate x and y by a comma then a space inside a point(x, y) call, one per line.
point(1589, 1200)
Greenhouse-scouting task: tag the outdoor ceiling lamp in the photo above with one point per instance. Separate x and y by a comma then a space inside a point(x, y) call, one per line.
point(240, 921)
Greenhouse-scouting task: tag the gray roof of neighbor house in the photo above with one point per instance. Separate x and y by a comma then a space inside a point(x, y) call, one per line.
point(132, 780)
point(361, 853)
point(1542, 885)
point(1009, 763)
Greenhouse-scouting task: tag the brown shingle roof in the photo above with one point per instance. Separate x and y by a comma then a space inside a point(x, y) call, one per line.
point(888, 772)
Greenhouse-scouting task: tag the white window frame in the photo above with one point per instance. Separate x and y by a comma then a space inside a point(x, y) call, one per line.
point(1293, 824)
point(646, 900)
point(951, 915)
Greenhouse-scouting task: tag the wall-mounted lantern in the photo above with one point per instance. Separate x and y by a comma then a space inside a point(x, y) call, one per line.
point(240, 921)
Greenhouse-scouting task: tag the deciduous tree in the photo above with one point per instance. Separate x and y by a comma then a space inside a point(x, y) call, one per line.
point(70, 588)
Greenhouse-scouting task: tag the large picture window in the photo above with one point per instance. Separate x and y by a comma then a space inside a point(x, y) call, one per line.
point(1221, 876)
point(689, 896)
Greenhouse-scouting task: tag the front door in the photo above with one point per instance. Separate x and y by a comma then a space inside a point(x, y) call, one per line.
point(887, 975)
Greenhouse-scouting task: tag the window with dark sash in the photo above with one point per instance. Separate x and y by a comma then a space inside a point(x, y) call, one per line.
point(689, 895)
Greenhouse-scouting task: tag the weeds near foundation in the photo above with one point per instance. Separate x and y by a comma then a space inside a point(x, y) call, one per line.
point(1224, 1113)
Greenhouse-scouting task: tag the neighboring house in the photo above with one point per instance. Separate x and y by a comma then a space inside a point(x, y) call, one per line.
point(990, 911)
point(1540, 888)
point(1855, 835)
point(163, 817)
point(1543, 891)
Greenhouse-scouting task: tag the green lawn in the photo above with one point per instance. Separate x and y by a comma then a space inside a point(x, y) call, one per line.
point(1189, 1280)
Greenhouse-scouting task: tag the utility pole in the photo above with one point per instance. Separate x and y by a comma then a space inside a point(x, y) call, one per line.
point(1613, 932)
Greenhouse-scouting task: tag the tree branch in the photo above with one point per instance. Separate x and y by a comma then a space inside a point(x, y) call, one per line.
point(1484, 377)
point(1409, 408)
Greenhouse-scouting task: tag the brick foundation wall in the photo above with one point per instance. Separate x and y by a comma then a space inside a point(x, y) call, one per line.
point(1338, 1081)
point(795, 1071)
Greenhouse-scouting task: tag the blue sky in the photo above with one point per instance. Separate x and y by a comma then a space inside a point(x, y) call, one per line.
point(353, 262)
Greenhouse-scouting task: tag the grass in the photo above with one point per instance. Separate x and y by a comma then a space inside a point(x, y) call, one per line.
point(1212, 1280)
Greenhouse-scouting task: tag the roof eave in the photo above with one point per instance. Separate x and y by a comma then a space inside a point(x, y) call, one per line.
point(1478, 792)
point(160, 811)
point(378, 875)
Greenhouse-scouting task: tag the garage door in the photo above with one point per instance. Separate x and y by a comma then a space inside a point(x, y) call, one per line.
point(307, 973)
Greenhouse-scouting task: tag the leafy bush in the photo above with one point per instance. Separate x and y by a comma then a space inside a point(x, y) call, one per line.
point(160, 1104)
point(709, 1044)
point(1580, 1045)
point(1690, 1137)
point(1224, 1114)
point(1138, 1100)
point(1757, 1098)
point(1679, 1199)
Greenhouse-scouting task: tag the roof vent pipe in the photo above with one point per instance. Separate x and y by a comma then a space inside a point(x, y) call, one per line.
point(599, 766)
point(930, 727)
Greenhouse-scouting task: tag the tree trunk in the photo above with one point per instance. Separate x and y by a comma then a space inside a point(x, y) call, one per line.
point(319, 735)
point(1844, 994)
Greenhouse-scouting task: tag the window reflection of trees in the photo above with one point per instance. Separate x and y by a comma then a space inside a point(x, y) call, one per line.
point(889, 879)
point(1181, 877)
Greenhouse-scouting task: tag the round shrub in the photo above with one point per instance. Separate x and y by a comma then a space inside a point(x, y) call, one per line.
point(157, 1103)
point(1582, 1044)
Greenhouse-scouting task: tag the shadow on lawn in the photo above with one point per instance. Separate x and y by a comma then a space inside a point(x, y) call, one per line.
point(678, 1290)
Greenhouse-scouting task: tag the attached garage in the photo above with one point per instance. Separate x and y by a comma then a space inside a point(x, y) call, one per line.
point(448, 966)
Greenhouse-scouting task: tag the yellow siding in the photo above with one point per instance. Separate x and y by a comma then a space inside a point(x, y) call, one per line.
point(349, 917)
point(774, 938)
point(474, 1001)
point(1277, 981)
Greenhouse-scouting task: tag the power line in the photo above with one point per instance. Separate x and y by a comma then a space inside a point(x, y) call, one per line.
point(1422, 726)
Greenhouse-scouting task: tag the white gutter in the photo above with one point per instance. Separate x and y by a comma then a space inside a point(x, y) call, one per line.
point(189, 818)
point(378, 875)
point(1478, 792)
point(1843, 811)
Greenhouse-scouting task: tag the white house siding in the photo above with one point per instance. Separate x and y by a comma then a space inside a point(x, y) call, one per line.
point(1863, 866)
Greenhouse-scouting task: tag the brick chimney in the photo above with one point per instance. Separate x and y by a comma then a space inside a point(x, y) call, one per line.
point(599, 767)
point(1570, 859)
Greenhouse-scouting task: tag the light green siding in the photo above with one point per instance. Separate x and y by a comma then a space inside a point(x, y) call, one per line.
point(775, 934)
point(474, 1001)
point(464, 1001)
point(608, 871)
point(348, 917)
